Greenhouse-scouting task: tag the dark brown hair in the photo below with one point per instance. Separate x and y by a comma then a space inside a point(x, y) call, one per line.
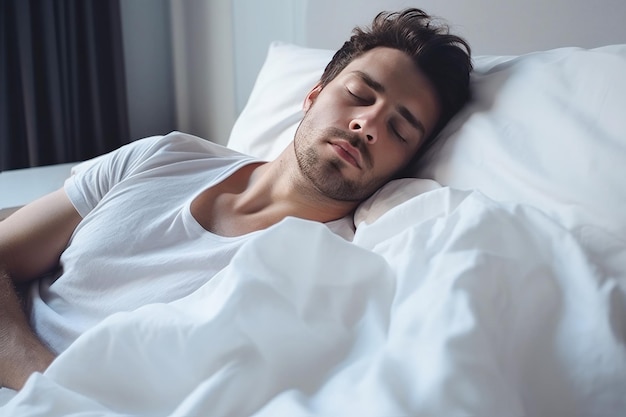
point(444, 58)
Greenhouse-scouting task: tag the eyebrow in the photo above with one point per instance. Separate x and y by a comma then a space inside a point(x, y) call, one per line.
point(404, 112)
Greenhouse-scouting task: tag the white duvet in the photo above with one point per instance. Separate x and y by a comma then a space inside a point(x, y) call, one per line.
point(449, 304)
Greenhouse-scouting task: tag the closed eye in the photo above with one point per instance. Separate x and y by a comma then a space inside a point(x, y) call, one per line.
point(358, 96)
point(397, 134)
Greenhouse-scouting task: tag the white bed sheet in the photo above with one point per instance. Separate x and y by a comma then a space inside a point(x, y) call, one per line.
point(448, 304)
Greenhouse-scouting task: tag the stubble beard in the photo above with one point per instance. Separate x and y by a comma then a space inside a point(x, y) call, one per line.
point(326, 175)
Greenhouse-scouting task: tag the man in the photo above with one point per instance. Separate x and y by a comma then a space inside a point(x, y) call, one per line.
point(154, 220)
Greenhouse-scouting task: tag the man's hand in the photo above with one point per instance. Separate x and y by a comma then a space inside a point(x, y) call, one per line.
point(21, 352)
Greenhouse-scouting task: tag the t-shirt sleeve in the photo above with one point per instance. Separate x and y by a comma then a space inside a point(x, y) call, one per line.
point(92, 179)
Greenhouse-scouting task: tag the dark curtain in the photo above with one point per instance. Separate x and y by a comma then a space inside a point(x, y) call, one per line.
point(62, 83)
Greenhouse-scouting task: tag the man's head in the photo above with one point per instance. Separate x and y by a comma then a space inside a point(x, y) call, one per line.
point(383, 97)
point(444, 58)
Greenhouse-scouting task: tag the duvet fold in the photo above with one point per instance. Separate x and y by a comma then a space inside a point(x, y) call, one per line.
point(472, 307)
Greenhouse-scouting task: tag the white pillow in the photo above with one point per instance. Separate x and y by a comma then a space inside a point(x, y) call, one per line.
point(391, 195)
point(269, 120)
point(546, 129)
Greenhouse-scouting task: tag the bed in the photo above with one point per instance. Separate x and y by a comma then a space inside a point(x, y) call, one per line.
point(492, 283)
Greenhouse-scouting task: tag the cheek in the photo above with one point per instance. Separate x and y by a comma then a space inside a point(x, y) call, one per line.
point(327, 109)
point(314, 125)
point(311, 119)
point(391, 159)
point(307, 129)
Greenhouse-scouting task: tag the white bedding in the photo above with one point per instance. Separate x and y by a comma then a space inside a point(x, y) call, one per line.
point(500, 293)
point(449, 304)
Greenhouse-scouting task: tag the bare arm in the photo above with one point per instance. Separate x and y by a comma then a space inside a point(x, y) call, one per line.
point(31, 242)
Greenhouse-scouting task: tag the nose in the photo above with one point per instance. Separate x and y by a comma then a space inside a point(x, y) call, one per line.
point(365, 126)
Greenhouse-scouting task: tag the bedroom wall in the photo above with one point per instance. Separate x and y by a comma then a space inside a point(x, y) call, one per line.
point(204, 67)
point(148, 60)
point(491, 26)
point(179, 67)
point(256, 25)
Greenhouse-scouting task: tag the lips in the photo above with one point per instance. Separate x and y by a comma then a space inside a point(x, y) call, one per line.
point(348, 152)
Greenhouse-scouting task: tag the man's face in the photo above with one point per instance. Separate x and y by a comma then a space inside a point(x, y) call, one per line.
point(361, 129)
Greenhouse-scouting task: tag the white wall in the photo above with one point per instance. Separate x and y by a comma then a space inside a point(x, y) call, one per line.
point(179, 67)
point(148, 61)
point(491, 26)
point(204, 67)
point(257, 24)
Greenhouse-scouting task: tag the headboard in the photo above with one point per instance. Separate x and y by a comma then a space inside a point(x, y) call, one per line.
point(491, 26)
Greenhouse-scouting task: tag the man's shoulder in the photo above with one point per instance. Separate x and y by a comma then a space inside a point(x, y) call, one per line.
point(161, 151)
point(183, 142)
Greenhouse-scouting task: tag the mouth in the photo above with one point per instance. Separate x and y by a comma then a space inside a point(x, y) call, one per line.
point(348, 153)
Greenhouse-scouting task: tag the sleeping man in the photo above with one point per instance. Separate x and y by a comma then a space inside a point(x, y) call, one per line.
point(156, 219)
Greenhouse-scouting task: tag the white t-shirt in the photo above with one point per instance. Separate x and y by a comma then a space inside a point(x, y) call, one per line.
point(138, 242)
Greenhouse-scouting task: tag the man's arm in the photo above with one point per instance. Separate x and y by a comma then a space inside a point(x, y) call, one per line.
point(31, 242)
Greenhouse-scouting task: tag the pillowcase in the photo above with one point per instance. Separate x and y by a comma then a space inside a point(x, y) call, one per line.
point(269, 119)
point(389, 196)
point(545, 129)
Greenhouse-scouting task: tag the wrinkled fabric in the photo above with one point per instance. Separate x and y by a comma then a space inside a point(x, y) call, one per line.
point(447, 304)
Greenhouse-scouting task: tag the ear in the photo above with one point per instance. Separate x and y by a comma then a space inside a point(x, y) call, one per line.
point(311, 96)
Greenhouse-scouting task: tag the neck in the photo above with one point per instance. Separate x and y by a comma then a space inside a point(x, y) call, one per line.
point(258, 196)
point(278, 187)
